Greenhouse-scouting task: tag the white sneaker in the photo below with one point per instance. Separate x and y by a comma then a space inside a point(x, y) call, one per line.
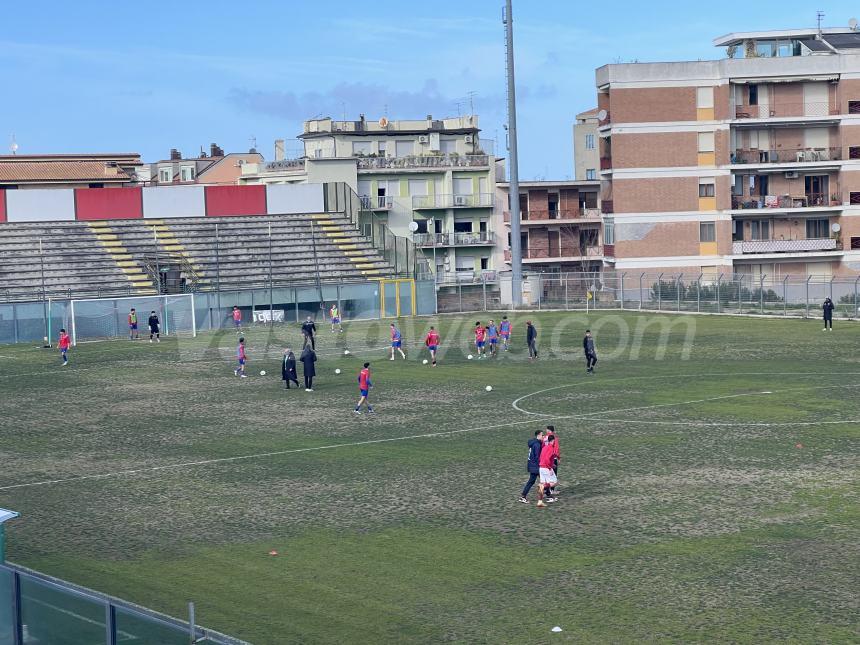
point(157, 340)
point(540, 504)
point(391, 359)
point(235, 372)
point(150, 340)
point(825, 329)
point(243, 376)
point(307, 389)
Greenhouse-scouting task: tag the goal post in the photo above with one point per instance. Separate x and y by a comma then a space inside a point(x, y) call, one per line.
point(106, 318)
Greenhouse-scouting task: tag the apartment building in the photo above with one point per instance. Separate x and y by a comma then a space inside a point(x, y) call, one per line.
point(586, 159)
point(429, 179)
point(561, 228)
point(749, 164)
point(213, 168)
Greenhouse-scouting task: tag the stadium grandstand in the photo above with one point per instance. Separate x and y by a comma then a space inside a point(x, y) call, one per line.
point(76, 243)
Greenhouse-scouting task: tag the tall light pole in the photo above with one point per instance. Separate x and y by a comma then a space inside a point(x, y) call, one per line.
point(514, 184)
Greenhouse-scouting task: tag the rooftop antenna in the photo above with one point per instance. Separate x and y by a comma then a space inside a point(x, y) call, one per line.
point(253, 141)
point(852, 24)
point(13, 145)
point(513, 167)
point(471, 95)
point(819, 15)
point(343, 109)
point(458, 108)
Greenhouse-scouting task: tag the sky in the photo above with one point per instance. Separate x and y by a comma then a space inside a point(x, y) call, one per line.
point(91, 76)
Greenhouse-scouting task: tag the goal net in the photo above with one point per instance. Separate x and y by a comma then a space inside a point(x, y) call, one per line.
point(103, 318)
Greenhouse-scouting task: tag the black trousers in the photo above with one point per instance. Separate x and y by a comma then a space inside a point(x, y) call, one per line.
point(291, 379)
point(590, 360)
point(531, 482)
point(828, 322)
point(310, 340)
point(309, 382)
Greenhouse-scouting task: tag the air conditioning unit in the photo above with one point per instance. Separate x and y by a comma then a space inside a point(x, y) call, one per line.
point(423, 138)
point(459, 200)
point(793, 174)
point(470, 138)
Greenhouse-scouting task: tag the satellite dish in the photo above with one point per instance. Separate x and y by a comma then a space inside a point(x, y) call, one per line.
point(835, 227)
point(852, 24)
point(413, 226)
point(602, 115)
point(383, 122)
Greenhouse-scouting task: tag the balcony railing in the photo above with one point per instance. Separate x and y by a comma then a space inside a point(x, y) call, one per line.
point(378, 203)
point(560, 253)
point(606, 163)
point(480, 200)
point(422, 161)
point(480, 238)
point(805, 155)
point(607, 206)
point(808, 200)
point(780, 109)
point(565, 215)
point(784, 246)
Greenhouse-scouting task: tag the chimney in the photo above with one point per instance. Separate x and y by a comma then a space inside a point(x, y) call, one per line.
point(279, 149)
point(215, 150)
point(175, 155)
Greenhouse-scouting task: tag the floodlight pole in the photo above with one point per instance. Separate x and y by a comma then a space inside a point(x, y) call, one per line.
point(514, 184)
point(45, 309)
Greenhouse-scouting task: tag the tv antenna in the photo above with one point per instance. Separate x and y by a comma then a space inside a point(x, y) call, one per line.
point(852, 24)
point(471, 95)
point(13, 145)
point(819, 15)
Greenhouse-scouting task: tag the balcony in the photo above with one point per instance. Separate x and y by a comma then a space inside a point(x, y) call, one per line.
point(606, 163)
point(481, 200)
point(378, 203)
point(787, 202)
point(784, 246)
point(787, 110)
point(785, 156)
point(538, 217)
point(564, 253)
point(607, 206)
point(482, 238)
point(418, 162)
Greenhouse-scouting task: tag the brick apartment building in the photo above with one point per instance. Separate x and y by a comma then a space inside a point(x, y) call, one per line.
point(561, 229)
point(749, 164)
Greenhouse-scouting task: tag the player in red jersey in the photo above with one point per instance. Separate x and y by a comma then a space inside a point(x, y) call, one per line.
point(547, 476)
point(241, 357)
point(64, 343)
point(364, 385)
point(480, 335)
point(432, 342)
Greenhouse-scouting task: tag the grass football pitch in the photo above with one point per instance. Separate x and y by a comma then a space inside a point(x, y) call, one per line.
point(709, 482)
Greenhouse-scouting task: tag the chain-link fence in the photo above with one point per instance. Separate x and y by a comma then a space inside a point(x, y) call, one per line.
point(798, 296)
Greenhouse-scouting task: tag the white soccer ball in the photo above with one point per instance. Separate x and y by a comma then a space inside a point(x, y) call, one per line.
point(424, 362)
point(262, 372)
point(346, 352)
point(489, 388)
point(469, 357)
point(337, 371)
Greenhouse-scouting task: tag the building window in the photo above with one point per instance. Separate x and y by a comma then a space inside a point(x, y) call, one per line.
point(589, 142)
point(485, 264)
point(463, 226)
point(447, 146)
point(704, 97)
point(403, 148)
point(817, 228)
point(381, 148)
point(463, 186)
point(360, 148)
point(417, 186)
point(706, 142)
point(753, 90)
point(590, 174)
point(855, 243)
point(760, 229)
point(609, 231)
point(186, 173)
point(854, 199)
point(707, 232)
point(422, 225)
point(706, 188)
point(165, 175)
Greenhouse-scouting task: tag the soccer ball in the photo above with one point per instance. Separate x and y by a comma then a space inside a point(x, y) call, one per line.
point(346, 352)
point(262, 372)
point(489, 388)
point(424, 362)
point(337, 371)
point(469, 357)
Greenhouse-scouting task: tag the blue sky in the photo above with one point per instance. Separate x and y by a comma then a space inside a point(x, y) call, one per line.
point(91, 76)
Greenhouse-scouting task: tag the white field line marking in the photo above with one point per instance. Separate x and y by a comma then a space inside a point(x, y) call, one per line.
point(85, 619)
point(368, 442)
point(516, 402)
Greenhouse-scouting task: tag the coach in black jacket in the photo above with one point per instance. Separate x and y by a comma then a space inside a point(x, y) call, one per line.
point(828, 314)
point(288, 368)
point(309, 330)
point(531, 340)
point(308, 358)
point(533, 464)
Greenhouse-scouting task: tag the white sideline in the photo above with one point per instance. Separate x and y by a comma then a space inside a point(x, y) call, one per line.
point(535, 419)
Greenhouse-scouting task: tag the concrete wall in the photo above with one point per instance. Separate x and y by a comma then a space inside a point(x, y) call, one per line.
point(299, 198)
point(42, 205)
point(174, 201)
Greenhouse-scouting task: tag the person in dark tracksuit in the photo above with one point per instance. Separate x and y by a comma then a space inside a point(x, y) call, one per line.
point(531, 340)
point(533, 464)
point(309, 331)
point(154, 327)
point(590, 352)
point(828, 314)
point(308, 358)
point(288, 368)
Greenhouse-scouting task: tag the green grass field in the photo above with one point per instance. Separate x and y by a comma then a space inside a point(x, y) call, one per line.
point(709, 483)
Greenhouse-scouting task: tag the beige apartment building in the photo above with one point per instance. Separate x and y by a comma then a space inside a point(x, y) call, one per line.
point(586, 159)
point(431, 180)
point(749, 164)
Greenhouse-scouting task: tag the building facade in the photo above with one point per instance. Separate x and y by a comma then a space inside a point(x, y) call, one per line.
point(213, 168)
point(431, 179)
point(586, 159)
point(94, 170)
point(748, 165)
point(561, 228)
